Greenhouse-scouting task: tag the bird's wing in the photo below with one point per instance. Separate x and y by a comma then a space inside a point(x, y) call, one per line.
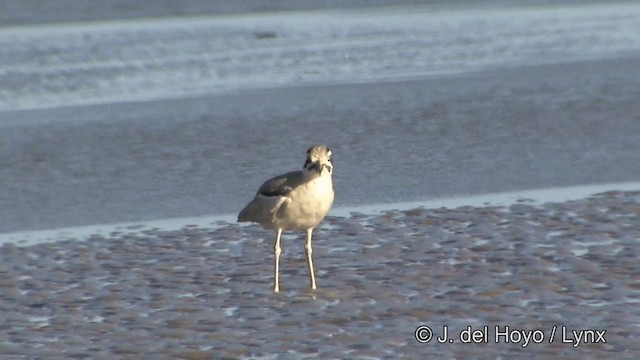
point(270, 198)
point(281, 185)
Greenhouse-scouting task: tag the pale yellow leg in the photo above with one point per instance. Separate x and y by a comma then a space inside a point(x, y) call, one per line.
point(277, 250)
point(309, 251)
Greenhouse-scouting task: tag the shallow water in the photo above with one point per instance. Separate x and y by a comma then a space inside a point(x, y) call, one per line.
point(206, 293)
point(189, 116)
point(508, 130)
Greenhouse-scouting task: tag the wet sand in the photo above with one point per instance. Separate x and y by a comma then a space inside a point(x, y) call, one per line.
point(200, 293)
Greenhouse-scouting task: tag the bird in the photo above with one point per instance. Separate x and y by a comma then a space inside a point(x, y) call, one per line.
point(297, 200)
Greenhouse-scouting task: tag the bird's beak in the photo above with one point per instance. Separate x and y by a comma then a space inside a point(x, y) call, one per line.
point(319, 167)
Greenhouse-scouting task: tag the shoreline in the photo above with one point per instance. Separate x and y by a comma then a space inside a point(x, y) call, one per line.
point(213, 222)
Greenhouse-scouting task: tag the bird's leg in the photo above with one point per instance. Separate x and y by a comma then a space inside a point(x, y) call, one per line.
point(276, 250)
point(309, 251)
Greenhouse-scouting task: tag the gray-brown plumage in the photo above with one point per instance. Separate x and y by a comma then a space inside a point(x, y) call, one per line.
point(297, 200)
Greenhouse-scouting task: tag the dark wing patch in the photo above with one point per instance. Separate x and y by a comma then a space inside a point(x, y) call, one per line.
point(281, 185)
point(280, 191)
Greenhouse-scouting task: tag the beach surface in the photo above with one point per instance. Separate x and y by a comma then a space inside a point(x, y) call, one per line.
point(545, 270)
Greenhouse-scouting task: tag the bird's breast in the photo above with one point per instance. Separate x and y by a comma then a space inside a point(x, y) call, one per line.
point(309, 204)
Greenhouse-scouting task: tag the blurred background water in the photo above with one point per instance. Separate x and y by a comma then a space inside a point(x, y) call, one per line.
point(35, 11)
point(158, 58)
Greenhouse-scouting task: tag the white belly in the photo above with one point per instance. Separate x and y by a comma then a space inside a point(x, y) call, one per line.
point(308, 205)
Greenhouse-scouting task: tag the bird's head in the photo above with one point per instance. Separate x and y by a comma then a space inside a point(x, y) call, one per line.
point(318, 161)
